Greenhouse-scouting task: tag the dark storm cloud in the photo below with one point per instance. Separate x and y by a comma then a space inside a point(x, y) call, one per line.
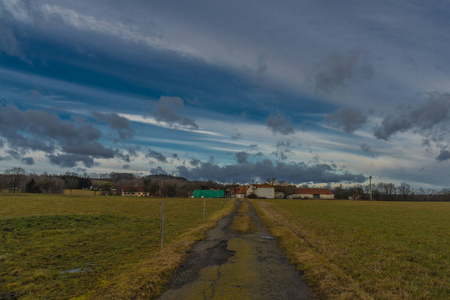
point(123, 156)
point(236, 135)
point(118, 123)
point(195, 162)
point(71, 160)
point(28, 160)
point(126, 154)
point(94, 149)
point(33, 130)
point(279, 123)
point(169, 110)
point(14, 154)
point(341, 69)
point(126, 167)
point(49, 128)
point(283, 148)
point(158, 170)
point(156, 155)
point(261, 65)
point(347, 119)
point(444, 155)
point(8, 42)
point(259, 154)
point(367, 149)
point(241, 157)
point(290, 172)
point(430, 117)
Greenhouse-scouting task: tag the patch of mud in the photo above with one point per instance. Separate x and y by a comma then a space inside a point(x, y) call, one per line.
point(208, 252)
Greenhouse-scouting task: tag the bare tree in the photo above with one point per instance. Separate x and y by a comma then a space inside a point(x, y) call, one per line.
point(404, 189)
point(14, 177)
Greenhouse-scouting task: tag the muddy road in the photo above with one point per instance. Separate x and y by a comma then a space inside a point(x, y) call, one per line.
point(230, 265)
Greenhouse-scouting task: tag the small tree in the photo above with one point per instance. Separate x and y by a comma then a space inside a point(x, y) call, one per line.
point(71, 183)
point(32, 187)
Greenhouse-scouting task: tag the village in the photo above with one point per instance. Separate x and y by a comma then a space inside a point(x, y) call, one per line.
point(260, 191)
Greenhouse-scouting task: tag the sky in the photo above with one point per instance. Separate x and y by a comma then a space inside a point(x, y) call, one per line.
point(309, 92)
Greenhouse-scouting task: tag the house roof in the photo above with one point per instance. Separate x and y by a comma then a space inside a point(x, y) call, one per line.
point(132, 189)
point(314, 191)
point(242, 189)
point(264, 186)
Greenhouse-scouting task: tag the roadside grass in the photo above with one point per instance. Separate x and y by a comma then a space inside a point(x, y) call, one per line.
point(365, 250)
point(64, 246)
point(243, 222)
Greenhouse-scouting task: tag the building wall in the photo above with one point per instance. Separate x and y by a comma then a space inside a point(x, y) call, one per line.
point(311, 196)
point(134, 194)
point(265, 193)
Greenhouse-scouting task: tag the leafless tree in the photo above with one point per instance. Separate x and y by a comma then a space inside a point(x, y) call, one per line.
point(15, 177)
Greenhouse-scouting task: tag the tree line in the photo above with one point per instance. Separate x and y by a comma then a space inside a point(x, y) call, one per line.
point(384, 191)
point(17, 180)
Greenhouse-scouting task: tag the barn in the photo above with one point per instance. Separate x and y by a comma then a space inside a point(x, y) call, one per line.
point(313, 193)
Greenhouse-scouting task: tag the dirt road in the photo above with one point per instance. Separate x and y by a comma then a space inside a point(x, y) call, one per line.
point(229, 265)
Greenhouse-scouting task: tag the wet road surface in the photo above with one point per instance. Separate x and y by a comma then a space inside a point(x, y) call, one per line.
point(229, 265)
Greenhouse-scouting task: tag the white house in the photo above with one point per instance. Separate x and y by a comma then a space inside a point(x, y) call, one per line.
point(261, 191)
point(134, 191)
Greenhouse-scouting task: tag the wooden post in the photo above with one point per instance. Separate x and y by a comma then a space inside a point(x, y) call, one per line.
point(204, 208)
point(161, 226)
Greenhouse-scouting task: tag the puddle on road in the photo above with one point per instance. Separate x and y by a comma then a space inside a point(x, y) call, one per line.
point(267, 237)
point(219, 254)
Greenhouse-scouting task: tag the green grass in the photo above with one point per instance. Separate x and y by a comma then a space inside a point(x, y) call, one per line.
point(62, 246)
point(387, 250)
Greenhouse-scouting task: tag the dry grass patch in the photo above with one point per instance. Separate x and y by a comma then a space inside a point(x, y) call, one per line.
point(146, 279)
point(63, 246)
point(380, 250)
point(243, 222)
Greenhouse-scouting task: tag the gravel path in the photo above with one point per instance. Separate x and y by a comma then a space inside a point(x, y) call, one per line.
point(229, 265)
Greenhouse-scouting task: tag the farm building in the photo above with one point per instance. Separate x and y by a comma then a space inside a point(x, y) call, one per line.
point(307, 193)
point(134, 191)
point(261, 191)
point(209, 194)
point(241, 191)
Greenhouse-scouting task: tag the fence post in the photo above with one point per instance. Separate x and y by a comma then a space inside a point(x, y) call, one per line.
point(204, 208)
point(161, 225)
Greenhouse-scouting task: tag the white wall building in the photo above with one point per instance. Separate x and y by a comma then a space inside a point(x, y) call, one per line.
point(261, 191)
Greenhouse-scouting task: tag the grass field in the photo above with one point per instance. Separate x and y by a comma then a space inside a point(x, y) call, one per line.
point(62, 246)
point(365, 250)
point(78, 192)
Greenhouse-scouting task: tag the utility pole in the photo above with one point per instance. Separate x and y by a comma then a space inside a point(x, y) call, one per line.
point(370, 187)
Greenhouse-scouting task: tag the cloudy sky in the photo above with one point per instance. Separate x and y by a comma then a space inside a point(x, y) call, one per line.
point(316, 92)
